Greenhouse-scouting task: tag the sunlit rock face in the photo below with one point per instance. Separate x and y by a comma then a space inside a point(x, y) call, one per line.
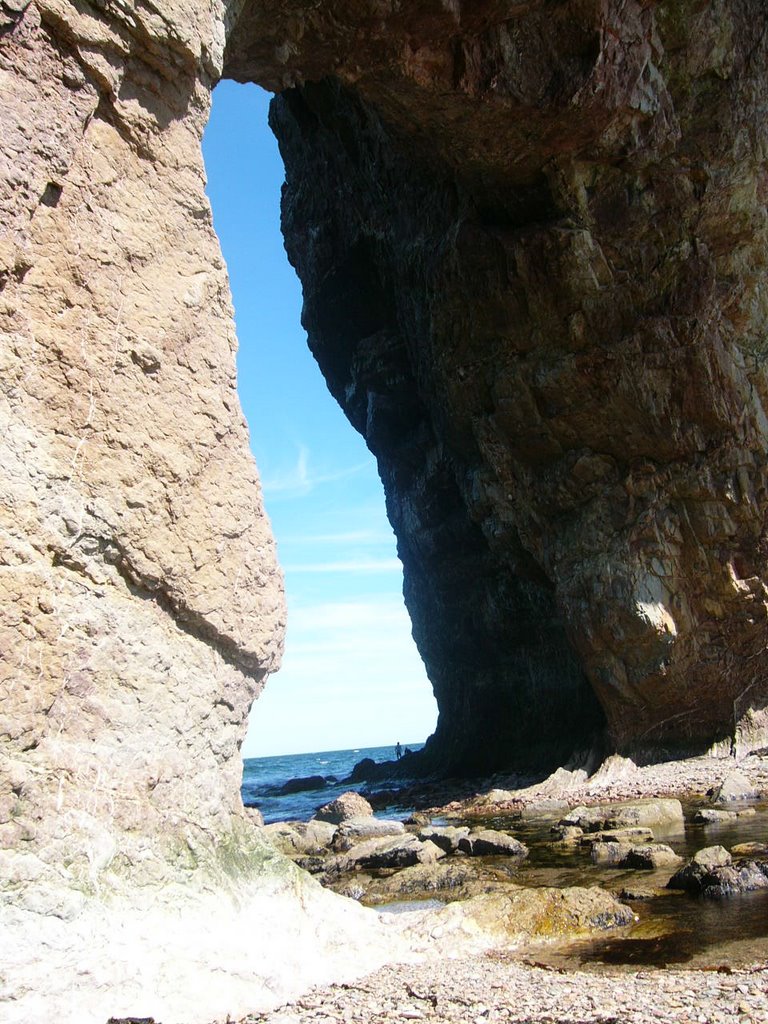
point(532, 241)
point(140, 601)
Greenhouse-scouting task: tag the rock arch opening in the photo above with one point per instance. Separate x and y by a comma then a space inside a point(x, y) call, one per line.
point(516, 361)
point(351, 676)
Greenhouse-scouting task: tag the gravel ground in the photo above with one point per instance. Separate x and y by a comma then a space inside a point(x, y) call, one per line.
point(503, 987)
point(490, 989)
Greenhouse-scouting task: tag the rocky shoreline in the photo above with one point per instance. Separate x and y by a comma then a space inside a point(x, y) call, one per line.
point(510, 982)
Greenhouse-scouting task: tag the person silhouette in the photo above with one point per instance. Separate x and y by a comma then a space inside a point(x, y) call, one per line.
point(398, 751)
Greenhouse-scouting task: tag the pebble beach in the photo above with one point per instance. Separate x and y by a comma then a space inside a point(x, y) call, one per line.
point(519, 985)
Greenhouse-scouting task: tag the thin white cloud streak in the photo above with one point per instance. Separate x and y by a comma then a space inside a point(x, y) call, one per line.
point(349, 615)
point(299, 481)
point(369, 565)
point(374, 537)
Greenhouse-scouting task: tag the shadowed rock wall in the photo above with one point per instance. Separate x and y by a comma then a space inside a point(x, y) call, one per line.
point(532, 243)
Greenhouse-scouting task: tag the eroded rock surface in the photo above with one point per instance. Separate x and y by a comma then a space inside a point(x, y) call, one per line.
point(532, 242)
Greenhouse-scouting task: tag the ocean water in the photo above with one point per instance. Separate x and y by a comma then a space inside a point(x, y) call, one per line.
point(264, 777)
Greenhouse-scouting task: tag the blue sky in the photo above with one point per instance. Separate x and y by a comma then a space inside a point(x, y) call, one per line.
point(351, 675)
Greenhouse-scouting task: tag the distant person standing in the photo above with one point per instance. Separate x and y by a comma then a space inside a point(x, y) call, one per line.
point(398, 751)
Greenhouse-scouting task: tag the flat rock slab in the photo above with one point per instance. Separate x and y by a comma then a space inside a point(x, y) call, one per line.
point(519, 914)
point(647, 856)
point(757, 850)
point(617, 835)
point(397, 852)
point(447, 837)
point(448, 880)
point(714, 816)
point(662, 813)
point(490, 843)
point(355, 830)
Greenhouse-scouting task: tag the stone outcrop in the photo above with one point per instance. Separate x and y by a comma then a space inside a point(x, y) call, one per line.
point(532, 243)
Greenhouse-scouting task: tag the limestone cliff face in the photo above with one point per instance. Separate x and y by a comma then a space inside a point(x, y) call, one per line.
point(140, 601)
point(532, 239)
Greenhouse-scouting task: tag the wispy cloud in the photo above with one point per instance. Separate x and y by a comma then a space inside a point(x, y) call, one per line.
point(370, 565)
point(348, 537)
point(300, 479)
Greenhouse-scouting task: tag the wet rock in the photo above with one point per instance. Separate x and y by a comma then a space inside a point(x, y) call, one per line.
point(735, 787)
point(757, 850)
point(446, 837)
point(633, 893)
point(397, 852)
point(663, 813)
point(645, 856)
point(364, 770)
point(355, 830)
point(610, 855)
point(567, 834)
point(519, 914)
point(712, 873)
point(715, 816)
point(490, 843)
point(348, 805)
point(618, 835)
point(303, 785)
point(723, 881)
point(448, 880)
point(651, 856)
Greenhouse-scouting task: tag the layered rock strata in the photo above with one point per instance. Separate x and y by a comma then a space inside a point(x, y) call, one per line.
point(532, 243)
point(532, 239)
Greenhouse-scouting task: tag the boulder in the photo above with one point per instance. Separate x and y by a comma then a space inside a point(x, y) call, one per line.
point(735, 786)
point(355, 830)
point(520, 914)
point(300, 838)
point(614, 769)
point(447, 837)
point(723, 881)
point(318, 835)
point(449, 879)
point(303, 785)
point(610, 855)
point(285, 838)
point(712, 873)
point(651, 856)
point(647, 856)
point(348, 805)
point(394, 852)
point(569, 835)
point(662, 813)
point(489, 843)
point(715, 816)
point(758, 851)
